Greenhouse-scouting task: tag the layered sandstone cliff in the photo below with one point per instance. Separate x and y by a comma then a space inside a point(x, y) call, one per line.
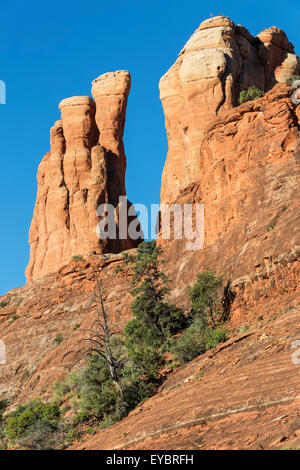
point(218, 61)
point(84, 168)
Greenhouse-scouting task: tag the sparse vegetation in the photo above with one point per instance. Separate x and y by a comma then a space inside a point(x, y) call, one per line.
point(4, 303)
point(77, 257)
point(13, 318)
point(35, 425)
point(251, 94)
point(58, 339)
point(271, 225)
point(205, 330)
point(154, 318)
point(243, 328)
point(91, 430)
point(292, 79)
point(120, 373)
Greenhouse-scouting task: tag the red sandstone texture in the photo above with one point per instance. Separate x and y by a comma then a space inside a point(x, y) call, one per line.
point(85, 168)
point(250, 191)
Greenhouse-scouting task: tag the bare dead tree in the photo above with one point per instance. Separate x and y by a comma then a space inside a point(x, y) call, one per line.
point(100, 334)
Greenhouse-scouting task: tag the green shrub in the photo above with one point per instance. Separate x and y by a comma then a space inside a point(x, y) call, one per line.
point(4, 303)
point(136, 392)
point(147, 358)
point(33, 425)
point(118, 269)
point(80, 418)
point(196, 340)
point(58, 339)
point(72, 435)
point(109, 420)
point(60, 389)
point(214, 337)
point(136, 333)
point(98, 395)
point(13, 318)
point(3, 405)
point(292, 79)
point(205, 296)
point(191, 344)
point(271, 225)
point(91, 430)
point(77, 257)
point(155, 320)
point(251, 94)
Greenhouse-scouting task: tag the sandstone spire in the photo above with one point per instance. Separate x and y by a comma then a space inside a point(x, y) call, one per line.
point(110, 92)
point(84, 168)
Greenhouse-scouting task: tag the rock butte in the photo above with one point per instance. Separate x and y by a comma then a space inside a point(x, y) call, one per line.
point(218, 61)
point(84, 168)
point(242, 163)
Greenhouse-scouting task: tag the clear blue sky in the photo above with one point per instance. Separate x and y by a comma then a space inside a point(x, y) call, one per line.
point(53, 50)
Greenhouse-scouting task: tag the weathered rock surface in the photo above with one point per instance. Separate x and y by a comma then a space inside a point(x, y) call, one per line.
point(250, 190)
point(110, 92)
point(218, 61)
point(277, 53)
point(84, 168)
point(65, 303)
point(230, 397)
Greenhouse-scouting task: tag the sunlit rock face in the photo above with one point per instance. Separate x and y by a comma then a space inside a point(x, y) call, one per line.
point(84, 168)
point(218, 61)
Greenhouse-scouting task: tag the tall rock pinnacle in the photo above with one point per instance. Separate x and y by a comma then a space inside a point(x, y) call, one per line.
point(84, 168)
point(218, 61)
point(110, 92)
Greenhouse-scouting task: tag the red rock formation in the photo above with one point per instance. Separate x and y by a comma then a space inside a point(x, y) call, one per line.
point(278, 56)
point(80, 173)
point(110, 92)
point(241, 163)
point(249, 186)
point(218, 61)
point(242, 394)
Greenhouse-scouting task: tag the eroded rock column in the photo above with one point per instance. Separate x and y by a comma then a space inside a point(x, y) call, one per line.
point(110, 92)
point(84, 168)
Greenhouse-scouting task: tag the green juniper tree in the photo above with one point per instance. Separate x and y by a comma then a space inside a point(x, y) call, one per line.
point(205, 330)
point(205, 297)
point(155, 320)
point(150, 288)
point(252, 93)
